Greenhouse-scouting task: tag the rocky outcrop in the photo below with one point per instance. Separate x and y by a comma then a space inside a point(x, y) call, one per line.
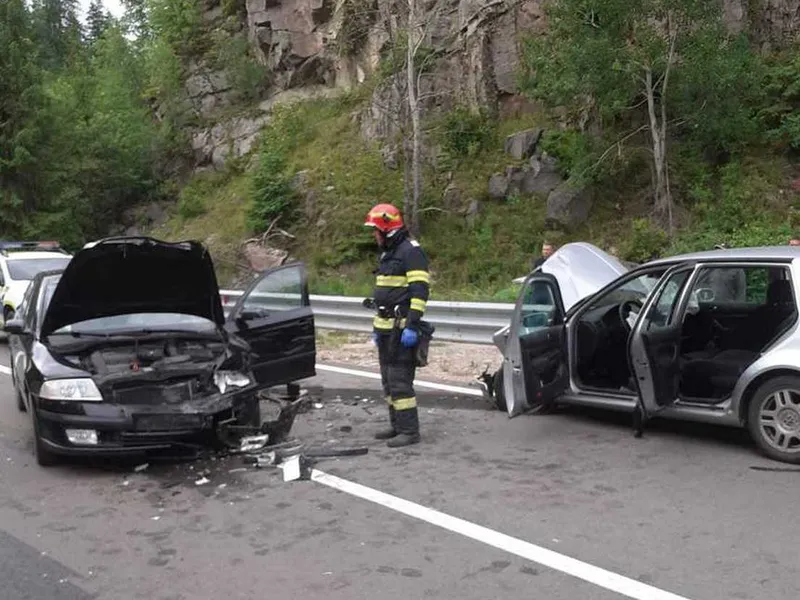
point(207, 90)
point(539, 176)
point(232, 138)
point(772, 23)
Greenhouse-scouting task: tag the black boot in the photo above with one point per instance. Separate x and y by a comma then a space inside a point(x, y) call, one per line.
point(403, 439)
point(407, 421)
point(391, 431)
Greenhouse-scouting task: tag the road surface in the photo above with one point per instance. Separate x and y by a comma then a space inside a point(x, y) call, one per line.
point(680, 510)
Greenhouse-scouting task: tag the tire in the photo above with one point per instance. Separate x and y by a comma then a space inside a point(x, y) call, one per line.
point(773, 418)
point(499, 391)
point(20, 400)
point(44, 457)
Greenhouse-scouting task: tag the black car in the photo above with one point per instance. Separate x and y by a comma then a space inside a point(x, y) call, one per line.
point(128, 350)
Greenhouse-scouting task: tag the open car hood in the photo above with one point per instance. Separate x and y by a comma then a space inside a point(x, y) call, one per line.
point(126, 275)
point(581, 270)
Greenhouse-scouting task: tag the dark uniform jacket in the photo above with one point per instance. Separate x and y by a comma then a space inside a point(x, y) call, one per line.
point(402, 279)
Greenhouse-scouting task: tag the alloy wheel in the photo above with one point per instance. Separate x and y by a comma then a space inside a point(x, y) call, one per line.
point(779, 420)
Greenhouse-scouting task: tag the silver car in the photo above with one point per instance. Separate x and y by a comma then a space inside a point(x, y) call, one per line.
point(709, 337)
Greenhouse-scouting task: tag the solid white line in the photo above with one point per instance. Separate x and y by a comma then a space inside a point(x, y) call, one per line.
point(422, 384)
point(576, 568)
point(5, 370)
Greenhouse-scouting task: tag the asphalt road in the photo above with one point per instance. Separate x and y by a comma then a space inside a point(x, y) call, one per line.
point(680, 509)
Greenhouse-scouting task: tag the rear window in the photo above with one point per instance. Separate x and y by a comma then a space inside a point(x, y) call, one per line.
point(26, 269)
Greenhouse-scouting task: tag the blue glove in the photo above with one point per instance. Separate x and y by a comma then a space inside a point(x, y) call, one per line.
point(374, 338)
point(409, 338)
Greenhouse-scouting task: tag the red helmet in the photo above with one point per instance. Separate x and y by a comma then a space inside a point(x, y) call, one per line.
point(384, 217)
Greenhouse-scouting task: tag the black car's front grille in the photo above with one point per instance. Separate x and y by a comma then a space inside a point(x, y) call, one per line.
point(155, 394)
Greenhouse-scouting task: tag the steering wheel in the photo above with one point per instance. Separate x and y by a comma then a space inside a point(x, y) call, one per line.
point(626, 308)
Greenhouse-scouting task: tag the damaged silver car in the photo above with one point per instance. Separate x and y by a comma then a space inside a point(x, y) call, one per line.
point(709, 337)
point(128, 350)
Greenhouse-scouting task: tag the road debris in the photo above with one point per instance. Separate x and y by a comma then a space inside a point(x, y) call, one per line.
point(140, 468)
point(253, 442)
point(202, 481)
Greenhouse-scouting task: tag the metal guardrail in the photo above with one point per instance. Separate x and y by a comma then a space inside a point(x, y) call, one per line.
point(466, 322)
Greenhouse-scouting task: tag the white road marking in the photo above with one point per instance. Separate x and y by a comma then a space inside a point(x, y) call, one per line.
point(559, 562)
point(421, 384)
point(5, 370)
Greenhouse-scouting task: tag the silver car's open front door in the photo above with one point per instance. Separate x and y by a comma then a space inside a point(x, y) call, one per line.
point(534, 365)
point(655, 343)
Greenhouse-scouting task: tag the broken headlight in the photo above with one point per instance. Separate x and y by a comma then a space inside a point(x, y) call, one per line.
point(225, 380)
point(76, 390)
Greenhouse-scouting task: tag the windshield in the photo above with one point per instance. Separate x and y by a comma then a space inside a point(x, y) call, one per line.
point(25, 269)
point(132, 323)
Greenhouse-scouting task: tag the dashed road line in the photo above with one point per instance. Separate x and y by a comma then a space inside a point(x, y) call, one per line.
point(5, 370)
point(456, 389)
point(542, 556)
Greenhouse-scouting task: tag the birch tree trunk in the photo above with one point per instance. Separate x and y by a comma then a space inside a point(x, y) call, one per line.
point(413, 109)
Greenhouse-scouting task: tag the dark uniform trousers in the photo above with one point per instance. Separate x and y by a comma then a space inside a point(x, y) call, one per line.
point(398, 370)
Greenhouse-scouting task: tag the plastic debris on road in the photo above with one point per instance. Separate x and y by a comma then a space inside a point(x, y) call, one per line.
point(253, 442)
point(202, 481)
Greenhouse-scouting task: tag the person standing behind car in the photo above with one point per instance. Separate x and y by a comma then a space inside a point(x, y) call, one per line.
point(547, 251)
point(402, 288)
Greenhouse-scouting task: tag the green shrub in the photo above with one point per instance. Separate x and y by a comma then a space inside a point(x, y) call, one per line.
point(465, 132)
point(782, 115)
point(646, 241)
point(357, 18)
point(192, 201)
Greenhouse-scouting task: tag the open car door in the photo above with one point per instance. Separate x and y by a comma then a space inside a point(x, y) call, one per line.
point(655, 342)
point(274, 316)
point(534, 365)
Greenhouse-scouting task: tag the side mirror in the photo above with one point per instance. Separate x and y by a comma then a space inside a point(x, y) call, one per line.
point(14, 327)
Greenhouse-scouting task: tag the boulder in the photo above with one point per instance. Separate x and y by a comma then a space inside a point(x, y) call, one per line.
point(261, 258)
point(498, 186)
point(515, 177)
point(522, 145)
point(542, 177)
point(568, 206)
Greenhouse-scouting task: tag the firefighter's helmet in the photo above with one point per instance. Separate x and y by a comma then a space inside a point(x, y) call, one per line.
point(385, 218)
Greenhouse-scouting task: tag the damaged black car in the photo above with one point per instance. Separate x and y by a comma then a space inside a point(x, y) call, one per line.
point(128, 351)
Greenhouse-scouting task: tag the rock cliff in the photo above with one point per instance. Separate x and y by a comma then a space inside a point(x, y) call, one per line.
point(320, 46)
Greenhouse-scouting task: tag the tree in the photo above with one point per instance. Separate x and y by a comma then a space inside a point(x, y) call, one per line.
point(407, 63)
point(632, 59)
point(59, 32)
point(19, 100)
point(97, 20)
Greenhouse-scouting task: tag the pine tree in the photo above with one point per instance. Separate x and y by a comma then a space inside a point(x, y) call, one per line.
point(96, 20)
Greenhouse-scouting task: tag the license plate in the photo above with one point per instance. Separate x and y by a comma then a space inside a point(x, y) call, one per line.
point(167, 422)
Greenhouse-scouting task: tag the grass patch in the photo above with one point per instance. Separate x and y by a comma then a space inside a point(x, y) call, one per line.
point(221, 227)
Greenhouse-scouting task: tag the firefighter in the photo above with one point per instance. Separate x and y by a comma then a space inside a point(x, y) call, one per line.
point(401, 293)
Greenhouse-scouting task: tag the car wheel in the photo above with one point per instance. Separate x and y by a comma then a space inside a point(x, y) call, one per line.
point(44, 458)
point(773, 419)
point(499, 391)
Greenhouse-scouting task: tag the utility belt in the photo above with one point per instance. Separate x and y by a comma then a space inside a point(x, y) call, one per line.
point(393, 320)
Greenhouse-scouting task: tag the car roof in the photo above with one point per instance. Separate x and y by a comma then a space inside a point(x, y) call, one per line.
point(36, 254)
point(780, 253)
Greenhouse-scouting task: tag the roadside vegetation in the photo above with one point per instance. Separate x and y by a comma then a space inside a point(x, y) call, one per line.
point(682, 154)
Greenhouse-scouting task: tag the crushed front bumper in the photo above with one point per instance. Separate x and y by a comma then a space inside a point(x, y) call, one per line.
point(141, 429)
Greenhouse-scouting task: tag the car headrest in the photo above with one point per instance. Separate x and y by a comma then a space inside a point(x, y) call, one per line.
point(779, 292)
